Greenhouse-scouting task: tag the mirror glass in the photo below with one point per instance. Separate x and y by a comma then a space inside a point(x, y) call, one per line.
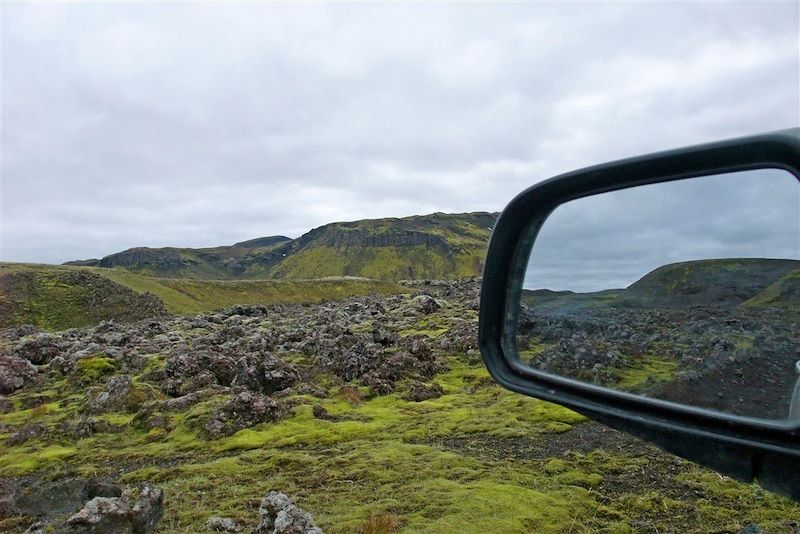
point(687, 291)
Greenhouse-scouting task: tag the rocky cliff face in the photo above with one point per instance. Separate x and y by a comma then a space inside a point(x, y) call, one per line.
point(340, 238)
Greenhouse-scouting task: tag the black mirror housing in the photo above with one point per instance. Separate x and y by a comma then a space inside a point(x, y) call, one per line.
point(742, 447)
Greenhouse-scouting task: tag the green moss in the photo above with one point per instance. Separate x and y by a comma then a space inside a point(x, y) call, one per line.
point(30, 458)
point(743, 342)
point(317, 262)
point(117, 418)
point(93, 368)
point(646, 370)
point(462, 410)
point(429, 489)
point(386, 262)
point(432, 326)
point(390, 460)
point(387, 455)
point(429, 332)
point(532, 351)
point(554, 466)
point(154, 362)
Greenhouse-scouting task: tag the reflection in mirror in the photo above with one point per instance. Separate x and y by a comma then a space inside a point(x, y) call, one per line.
point(686, 291)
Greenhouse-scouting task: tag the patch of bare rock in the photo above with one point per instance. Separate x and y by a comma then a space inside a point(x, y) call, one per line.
point(84, 506)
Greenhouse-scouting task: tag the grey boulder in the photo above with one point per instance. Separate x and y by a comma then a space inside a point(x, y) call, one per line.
point(280, 515)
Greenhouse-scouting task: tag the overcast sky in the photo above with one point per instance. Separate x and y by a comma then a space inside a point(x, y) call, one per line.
point(203, 124)
point(611, 240)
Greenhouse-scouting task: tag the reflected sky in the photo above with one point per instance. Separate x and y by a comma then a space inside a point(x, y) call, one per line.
point(613, 239)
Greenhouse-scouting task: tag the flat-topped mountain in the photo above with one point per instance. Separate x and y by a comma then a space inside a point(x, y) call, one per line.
point(439, 245)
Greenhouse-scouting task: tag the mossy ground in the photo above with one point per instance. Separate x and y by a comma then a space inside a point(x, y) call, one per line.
point(784, 293)
point(94, 367)
point(645, 371)
point(387, 457)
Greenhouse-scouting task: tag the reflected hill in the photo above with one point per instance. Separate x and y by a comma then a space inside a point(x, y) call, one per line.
point(752, 282)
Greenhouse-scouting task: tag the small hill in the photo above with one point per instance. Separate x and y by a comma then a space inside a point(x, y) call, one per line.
point(569, 302)
point(782, 294)
point(439, 245)
point(56, 298)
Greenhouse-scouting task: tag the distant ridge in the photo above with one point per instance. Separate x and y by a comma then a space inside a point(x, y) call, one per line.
point(439, 245)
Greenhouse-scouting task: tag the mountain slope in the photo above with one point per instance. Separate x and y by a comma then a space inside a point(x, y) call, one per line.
point(425, 246)
point(188, 296)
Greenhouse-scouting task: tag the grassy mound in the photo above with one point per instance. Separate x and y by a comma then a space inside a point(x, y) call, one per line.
point(55, 298)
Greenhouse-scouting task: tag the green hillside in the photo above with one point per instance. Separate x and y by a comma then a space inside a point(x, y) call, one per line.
point(567, 301)
point(783, 293)
point(58, 297)
point(425, 246)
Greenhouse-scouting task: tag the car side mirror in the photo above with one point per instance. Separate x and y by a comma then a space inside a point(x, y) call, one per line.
point(660, 295)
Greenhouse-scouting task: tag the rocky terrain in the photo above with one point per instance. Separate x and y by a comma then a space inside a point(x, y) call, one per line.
point(712, 333)
point(371, 413)
point(439, 245)
point(738, 361)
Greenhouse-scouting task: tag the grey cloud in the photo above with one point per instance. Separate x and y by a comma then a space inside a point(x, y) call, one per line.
point(198, 125)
